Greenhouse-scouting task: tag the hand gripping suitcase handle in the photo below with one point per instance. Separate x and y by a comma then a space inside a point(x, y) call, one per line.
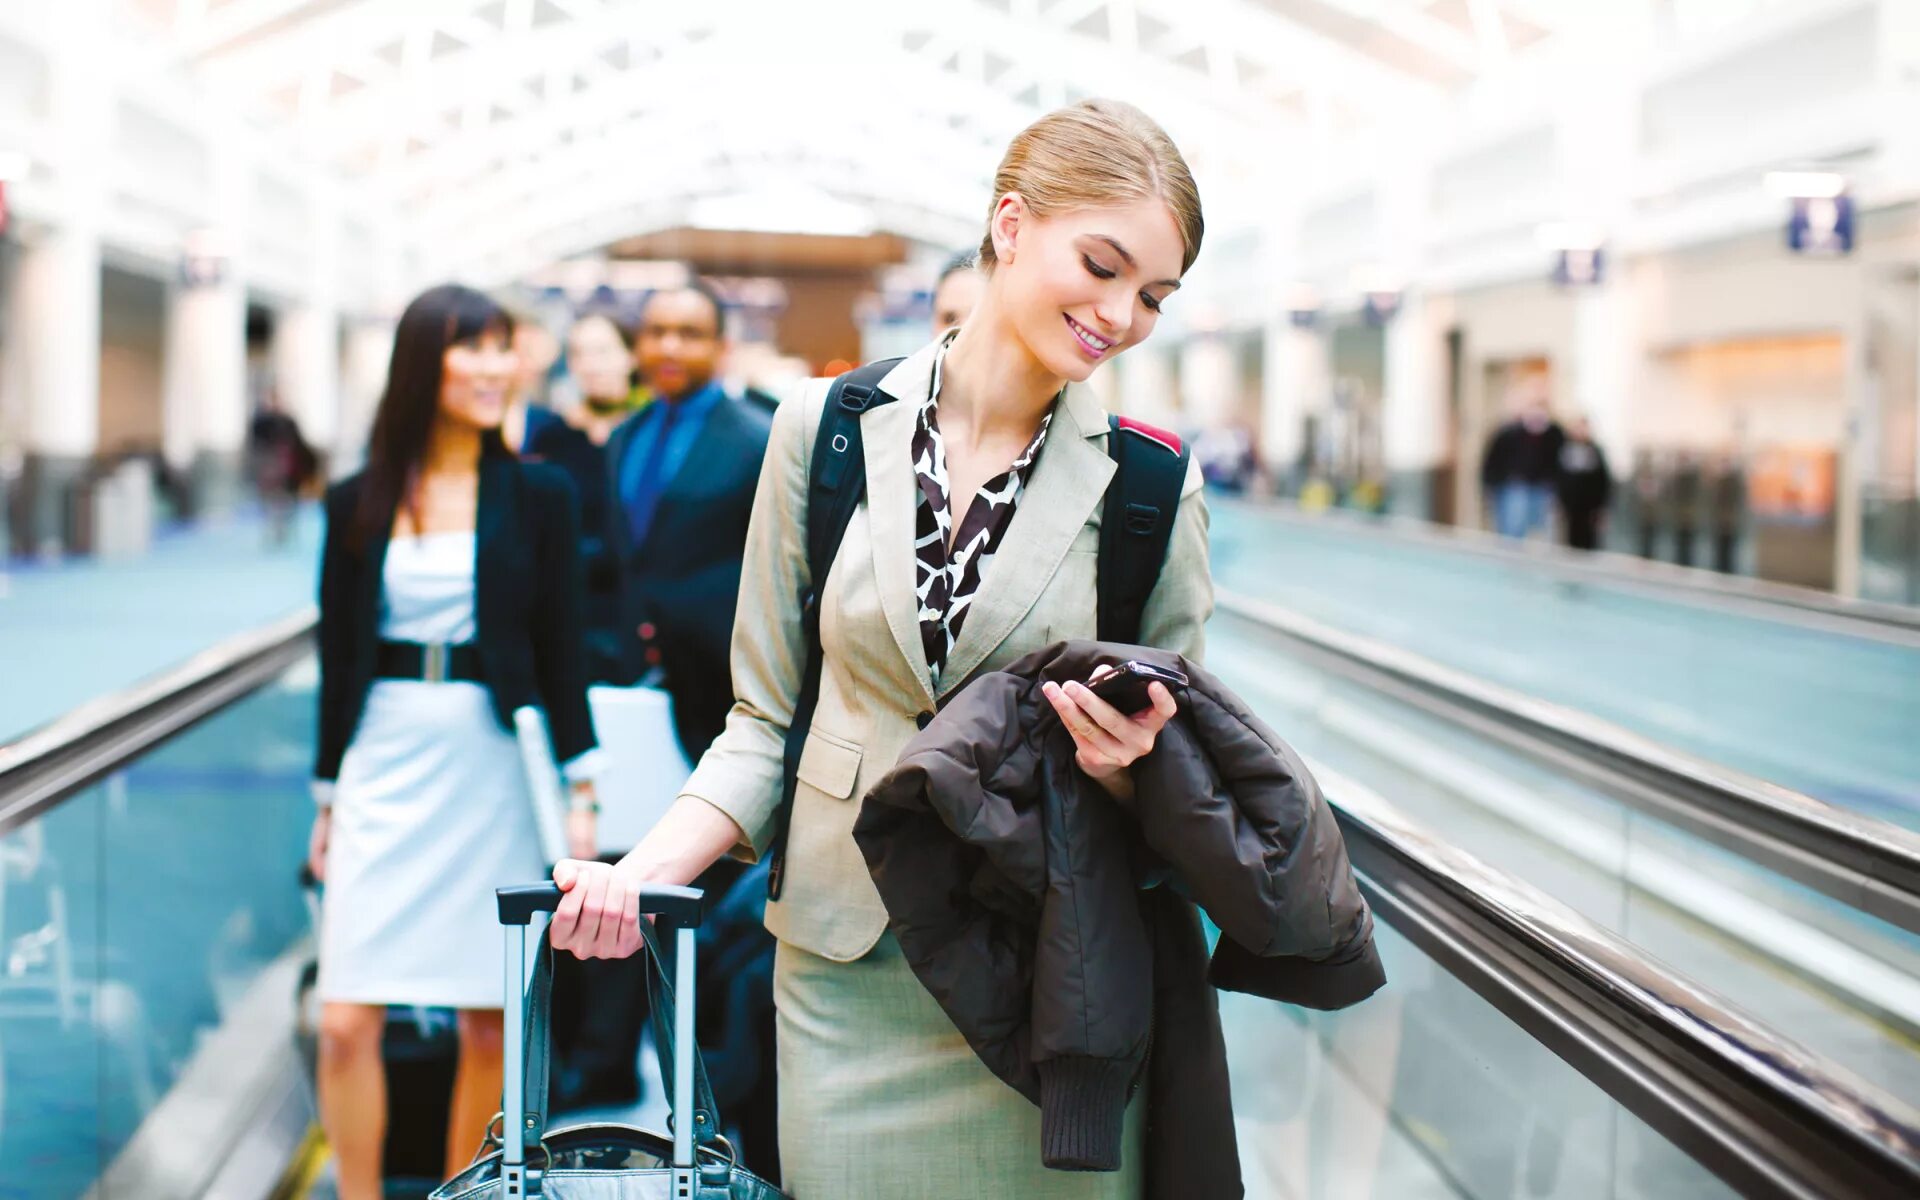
point(678, 906)
point(523, 1098)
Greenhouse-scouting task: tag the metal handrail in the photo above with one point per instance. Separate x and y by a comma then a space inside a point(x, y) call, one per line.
point(1803, 606)
point(1764, 1114)
point(44, 767)
point(1866, 863)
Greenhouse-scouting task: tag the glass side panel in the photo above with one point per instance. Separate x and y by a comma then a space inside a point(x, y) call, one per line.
point(1427, 1091)
point(133, 920)
point(1839, 982)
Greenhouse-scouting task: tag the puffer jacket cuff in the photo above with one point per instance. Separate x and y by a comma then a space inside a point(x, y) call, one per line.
point(1083, 1108)
point(1326, 984)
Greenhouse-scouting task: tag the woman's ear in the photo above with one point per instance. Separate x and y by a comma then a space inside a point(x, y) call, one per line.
point(1008, 215)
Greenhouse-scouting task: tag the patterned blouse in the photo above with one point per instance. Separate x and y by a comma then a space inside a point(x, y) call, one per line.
point(944, 582)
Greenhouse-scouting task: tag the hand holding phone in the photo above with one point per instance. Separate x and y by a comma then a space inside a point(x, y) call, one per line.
point(1125, 687)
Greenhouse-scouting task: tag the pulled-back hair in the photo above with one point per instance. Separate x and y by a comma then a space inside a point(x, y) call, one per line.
point(1096, 154)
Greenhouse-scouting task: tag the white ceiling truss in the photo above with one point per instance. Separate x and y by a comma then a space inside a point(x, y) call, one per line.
point(503, 122)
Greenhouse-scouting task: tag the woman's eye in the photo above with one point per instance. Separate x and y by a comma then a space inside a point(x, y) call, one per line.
point(1147, 299)
point(1098, 271)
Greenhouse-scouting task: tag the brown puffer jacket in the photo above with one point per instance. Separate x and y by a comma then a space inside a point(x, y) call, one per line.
point(1047, 919)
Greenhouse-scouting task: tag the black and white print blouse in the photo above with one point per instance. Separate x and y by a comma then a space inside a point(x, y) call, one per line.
point(945, 582)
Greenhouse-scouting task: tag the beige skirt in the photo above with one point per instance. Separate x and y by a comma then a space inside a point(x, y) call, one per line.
point(882, 1099)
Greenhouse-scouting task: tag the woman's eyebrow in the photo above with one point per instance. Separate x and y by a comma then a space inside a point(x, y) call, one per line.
point(1170, 283)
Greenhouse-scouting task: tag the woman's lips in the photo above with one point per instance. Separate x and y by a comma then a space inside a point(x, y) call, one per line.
point(1091, 343)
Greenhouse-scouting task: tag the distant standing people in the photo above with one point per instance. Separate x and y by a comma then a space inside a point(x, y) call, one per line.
point(282, 462)
point(1683, 493)
point(1727, 507)
point(448, 600)
point(1648, 487)
point(1522, 461)
point(957, 291)
point(1586, 485)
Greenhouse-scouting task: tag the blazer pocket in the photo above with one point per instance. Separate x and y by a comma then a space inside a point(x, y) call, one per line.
point(829, 764)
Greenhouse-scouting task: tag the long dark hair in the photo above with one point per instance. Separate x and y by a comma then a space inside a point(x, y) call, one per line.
point(437, 319)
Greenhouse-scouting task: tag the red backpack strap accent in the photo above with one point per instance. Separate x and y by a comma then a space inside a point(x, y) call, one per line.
point(1152, 433)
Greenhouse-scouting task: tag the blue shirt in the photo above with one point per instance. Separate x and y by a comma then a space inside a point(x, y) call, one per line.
point(652, 463)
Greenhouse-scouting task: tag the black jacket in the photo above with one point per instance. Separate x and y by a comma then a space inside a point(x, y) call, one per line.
point(526, 606)
point(1050, 923)
point(1517, 454)
point(1585, 482)
point(683, 582)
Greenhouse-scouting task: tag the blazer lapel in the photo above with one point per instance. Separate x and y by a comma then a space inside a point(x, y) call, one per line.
point(1069, 479)
point(886, 437)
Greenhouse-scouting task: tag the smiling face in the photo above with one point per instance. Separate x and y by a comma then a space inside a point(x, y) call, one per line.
point(476, 377)
point(1083, 285)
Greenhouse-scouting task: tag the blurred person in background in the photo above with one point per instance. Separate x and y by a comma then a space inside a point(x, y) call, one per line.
point(1648, 485)
point(529, 407)
point(449, 598)
point(1681, 501)
point(281, 463)
point(1726, 508)
point(1522, 461)
point(1585, 484)
point(957, 291)
point(600, 359)
point(683, 472)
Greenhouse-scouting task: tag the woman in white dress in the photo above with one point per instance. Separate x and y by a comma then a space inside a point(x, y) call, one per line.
point(450, 596)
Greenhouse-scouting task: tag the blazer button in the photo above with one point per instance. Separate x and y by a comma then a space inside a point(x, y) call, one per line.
point(646, 631)
point(653, 656)
point(923, 720)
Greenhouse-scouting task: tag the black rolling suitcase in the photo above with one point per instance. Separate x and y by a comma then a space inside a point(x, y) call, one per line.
point(604, 1161)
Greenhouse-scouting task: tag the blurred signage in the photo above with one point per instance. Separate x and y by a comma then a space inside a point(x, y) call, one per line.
point(1580, 266)
point(1820, 225)
point(1792, 484)
point(1379, 307)
point(202, 270)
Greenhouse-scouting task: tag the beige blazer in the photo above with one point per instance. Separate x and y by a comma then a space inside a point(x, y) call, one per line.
point(1038, 589)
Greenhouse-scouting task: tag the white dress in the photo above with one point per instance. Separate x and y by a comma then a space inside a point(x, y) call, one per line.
point(432, 811)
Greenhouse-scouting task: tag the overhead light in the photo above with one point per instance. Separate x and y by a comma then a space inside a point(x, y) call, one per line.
point(1806, 185)
point(14, 166)
point(1569, 235)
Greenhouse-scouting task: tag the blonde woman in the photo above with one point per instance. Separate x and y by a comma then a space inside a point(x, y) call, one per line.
point(976, 546)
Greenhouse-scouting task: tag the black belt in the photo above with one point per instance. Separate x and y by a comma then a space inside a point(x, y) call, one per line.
point(435, 662)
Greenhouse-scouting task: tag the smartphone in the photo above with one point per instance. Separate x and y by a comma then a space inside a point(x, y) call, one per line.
point(1125, 687)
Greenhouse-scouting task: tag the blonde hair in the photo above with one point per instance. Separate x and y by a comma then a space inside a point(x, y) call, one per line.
point(1096, 154)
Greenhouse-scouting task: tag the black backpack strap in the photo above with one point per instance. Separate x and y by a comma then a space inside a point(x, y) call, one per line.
point(836, 482)
point(1150, 471)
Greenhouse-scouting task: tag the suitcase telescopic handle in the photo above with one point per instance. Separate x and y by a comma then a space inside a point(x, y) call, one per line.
point(679, 906)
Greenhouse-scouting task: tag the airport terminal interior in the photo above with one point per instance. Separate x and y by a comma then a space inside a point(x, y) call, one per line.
point(1548, 380)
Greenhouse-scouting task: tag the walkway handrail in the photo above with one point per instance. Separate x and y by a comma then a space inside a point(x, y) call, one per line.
point(44, 767)
point(1765, 1115)
point(1803, 606)
point(1863, 862)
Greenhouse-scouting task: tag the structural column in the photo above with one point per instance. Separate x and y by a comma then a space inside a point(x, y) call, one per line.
point(1295, 382)
point(54, 323)
point(206, 374)
point(1413, 412)
point(306, 341)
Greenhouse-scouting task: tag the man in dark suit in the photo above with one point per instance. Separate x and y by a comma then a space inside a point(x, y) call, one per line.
point(683, 474)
